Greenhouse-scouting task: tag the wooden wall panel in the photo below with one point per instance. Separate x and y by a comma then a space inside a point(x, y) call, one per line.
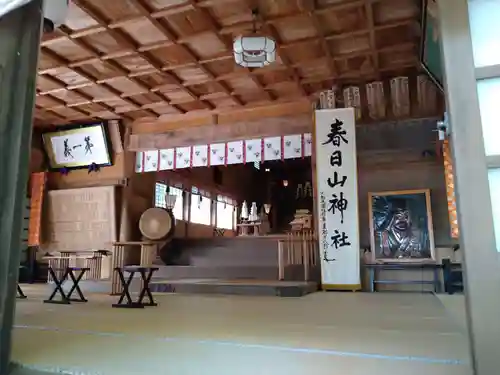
point(82, 219)
point(112, 175)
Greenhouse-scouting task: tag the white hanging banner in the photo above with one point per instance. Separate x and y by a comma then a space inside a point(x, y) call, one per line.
point(139, 162)
point(183, 157)
point(167, 159)
point(150, 161)
point(272, 148)
point(292, 146)
point(253, 150)
point(307, 144)
point(337, 192)
point(234, 152)
point(200, 156)
point(217, 154)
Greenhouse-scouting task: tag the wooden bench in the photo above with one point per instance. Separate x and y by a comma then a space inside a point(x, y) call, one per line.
point(374, 280)
point(68, 274)
point(60, 270)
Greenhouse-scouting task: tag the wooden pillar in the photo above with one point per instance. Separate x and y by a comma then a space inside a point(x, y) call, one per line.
point(20, 32)
point(117, 261)
point(95, 265)
point(472, 184)
point(148, 254)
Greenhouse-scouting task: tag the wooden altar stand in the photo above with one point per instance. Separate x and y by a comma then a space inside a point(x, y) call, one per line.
point(244, 228)
point(148, 256)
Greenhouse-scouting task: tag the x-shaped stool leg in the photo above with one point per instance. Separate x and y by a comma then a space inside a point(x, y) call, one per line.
point(145, 288)
point(20, 294)
point(75, 286)
point(64, 298)
point(126, 292)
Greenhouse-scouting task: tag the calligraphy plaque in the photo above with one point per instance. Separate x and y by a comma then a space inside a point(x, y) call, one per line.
point(337, 192)
point(82, 220)
point(401, 226)
point(77, 147)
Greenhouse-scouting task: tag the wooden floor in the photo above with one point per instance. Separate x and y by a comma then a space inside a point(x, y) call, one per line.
point(322, 333)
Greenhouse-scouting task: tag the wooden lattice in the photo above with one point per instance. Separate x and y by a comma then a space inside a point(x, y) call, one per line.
point(450, 189)
point(38, 184)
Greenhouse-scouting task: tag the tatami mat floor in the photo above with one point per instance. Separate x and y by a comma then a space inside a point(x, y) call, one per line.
point(323, 333)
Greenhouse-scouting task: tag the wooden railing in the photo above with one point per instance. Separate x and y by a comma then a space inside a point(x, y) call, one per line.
point(148, 255)
point(88, 259)
point(298, 249)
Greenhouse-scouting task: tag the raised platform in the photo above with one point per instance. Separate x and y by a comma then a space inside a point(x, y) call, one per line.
point(235, 287)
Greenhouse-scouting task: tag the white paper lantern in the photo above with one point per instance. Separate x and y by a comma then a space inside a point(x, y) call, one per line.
point(376, 99)
point(400, 96)
point(327, 99)
point(426, 95)
point(352, 99)
point(254, 51)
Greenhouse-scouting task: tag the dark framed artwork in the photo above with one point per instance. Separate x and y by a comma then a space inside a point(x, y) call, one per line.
point(430, 48)
point(401, 226)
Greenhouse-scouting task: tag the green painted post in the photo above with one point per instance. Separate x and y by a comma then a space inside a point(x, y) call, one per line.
point(20, 32)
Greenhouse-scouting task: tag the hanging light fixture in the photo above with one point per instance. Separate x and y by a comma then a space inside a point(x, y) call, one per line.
point(254, 51)
point(170, 199)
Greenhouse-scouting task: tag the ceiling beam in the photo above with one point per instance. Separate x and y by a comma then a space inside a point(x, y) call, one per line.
point(215, 119)
point(206, 134)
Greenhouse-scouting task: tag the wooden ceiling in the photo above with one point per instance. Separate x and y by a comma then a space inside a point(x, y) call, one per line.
point(138, 59)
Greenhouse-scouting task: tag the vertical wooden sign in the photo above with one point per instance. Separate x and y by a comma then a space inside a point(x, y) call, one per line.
point(337, 194)
point(38, 183)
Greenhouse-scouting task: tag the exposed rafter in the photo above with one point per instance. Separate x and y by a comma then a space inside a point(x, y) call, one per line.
point(134, 60)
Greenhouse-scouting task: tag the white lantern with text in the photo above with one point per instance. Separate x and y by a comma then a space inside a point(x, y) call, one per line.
point(254, 51)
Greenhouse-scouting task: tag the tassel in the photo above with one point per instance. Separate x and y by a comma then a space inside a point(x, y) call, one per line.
point(93, 168)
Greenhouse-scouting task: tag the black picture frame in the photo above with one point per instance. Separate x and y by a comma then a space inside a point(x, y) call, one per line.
point(401, 227)
point(423, 43)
